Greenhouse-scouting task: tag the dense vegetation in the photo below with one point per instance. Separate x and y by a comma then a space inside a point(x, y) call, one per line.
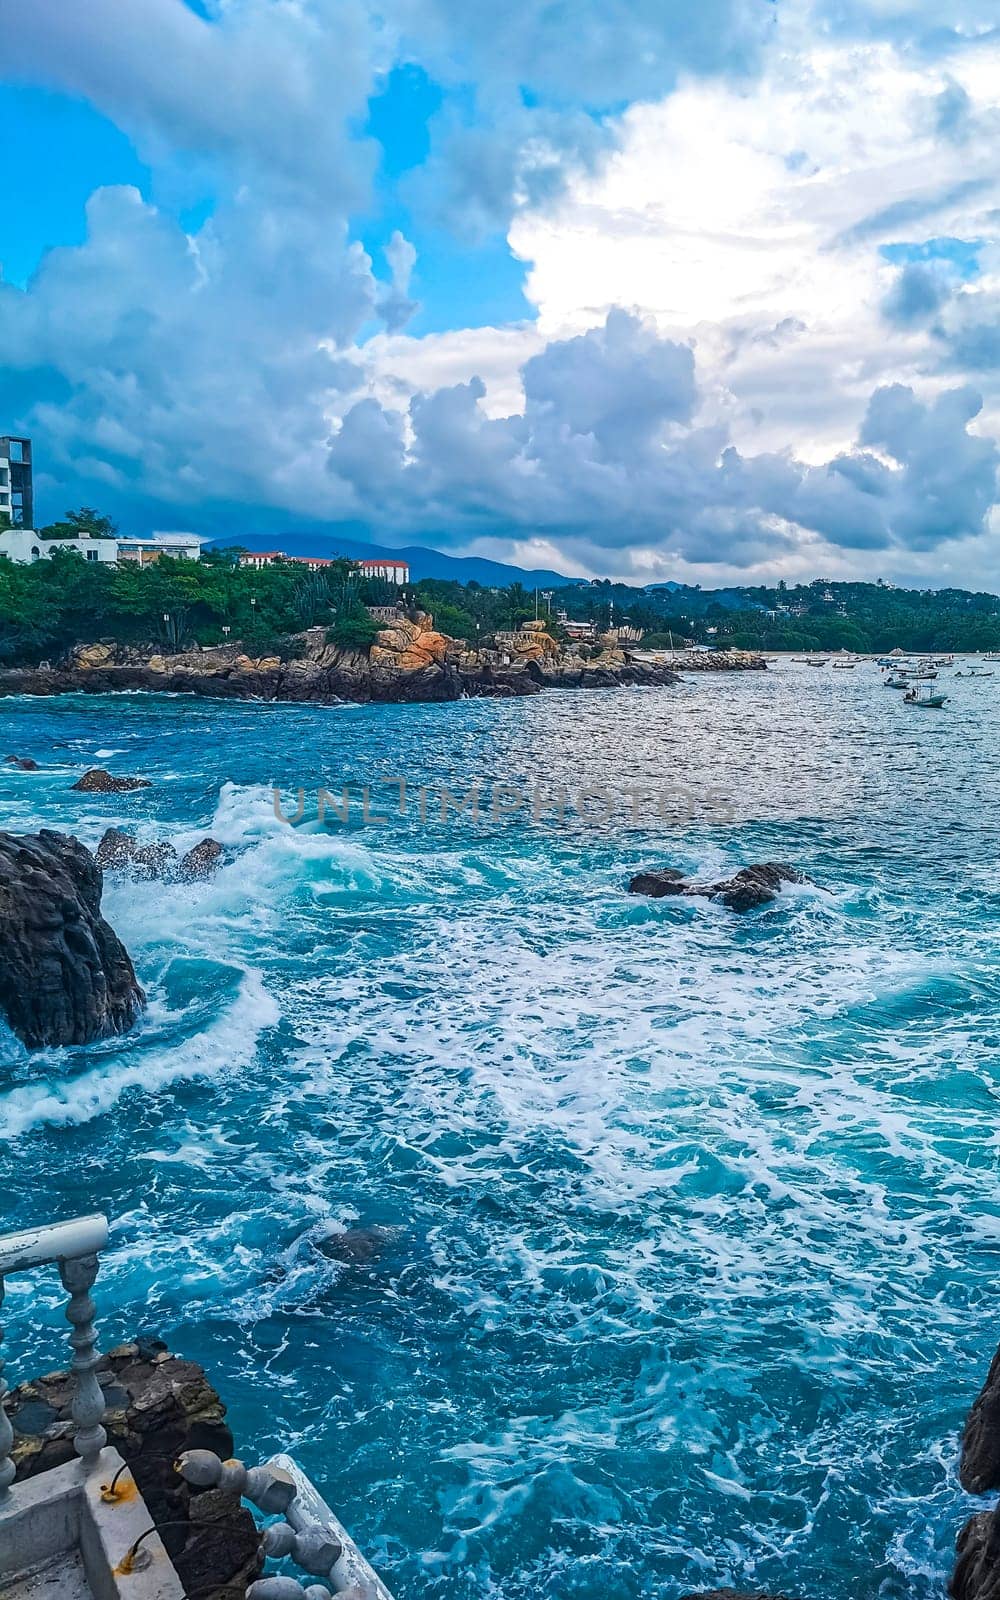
point(51, 605)
point(866, 617)
point(48, 606)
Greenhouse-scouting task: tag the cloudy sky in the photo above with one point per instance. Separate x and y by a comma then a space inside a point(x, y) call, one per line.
point(636, 288)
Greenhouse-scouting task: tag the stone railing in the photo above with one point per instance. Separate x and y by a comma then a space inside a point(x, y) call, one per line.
point(310, 1535)
point(73, 1247)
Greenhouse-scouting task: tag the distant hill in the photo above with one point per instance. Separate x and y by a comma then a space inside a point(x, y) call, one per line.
point(423, 562)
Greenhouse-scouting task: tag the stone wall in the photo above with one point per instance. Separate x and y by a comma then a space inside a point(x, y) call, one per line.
point(157, 1406)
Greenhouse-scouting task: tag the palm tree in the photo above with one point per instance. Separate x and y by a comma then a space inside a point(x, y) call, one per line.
point(517, 602)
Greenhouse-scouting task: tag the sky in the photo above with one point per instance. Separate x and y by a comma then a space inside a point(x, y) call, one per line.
point(627, 288)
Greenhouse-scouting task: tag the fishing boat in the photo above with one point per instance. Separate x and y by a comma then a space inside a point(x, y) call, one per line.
point(897, 680)
point(927, 699)
point(844, 666)
point(822, 663)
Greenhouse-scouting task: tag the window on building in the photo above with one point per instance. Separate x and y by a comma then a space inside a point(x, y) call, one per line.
point(92, 555)
point(16, 450)
point(35, 552)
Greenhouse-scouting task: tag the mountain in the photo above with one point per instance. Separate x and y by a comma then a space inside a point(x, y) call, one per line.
point(423, 562)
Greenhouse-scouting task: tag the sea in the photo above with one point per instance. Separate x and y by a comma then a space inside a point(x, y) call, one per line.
point(580, 1246)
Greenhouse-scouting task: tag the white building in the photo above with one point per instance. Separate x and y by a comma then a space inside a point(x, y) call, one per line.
point(173, 545)
point(25, 545)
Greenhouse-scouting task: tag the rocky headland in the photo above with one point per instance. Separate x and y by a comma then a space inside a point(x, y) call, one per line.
point(65, 976)
point(409, 661)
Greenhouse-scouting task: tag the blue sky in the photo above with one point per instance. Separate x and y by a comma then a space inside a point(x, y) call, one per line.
point(635, 289)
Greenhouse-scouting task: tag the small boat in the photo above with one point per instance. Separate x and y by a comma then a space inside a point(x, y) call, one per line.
point(818, 663)
point(976, 672)
point(897, 681)
point(844, 666)
point(925, 699)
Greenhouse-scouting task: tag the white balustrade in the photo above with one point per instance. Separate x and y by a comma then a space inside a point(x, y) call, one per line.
point(73, 1247)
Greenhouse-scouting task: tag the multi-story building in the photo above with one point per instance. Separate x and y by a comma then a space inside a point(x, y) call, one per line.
point(17, 500)
point(396, 572)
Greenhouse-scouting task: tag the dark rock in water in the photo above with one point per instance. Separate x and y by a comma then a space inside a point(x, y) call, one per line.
point(97, 781)
point(119, 851)
point(65, 976)
point(354, 1245)
point(979, 1467)
point(977, 1573)
point(754, 886)
point(745, 890)
point(731, 1594)
point(22, 763)
point(658, 884)
point(201, 861)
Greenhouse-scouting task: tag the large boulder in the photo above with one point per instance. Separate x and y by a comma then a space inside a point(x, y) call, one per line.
point(744, 891)
point(977, 1571)
point(200, 861)
point(65, 976)
point(979, 1467)
point(97, 781)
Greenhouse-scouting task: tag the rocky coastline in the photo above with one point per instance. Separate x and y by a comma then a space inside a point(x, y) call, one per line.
point(409, 662)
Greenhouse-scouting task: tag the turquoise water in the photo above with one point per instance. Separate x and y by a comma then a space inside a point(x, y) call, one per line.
point(693, 1223)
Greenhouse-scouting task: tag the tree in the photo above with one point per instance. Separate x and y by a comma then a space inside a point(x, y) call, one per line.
point(90, 522)
point(85, 523)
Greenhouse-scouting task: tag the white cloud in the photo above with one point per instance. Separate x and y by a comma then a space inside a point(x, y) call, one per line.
point(782, 397)
point(750, 217)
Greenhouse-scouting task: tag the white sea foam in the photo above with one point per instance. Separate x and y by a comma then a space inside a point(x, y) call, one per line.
point(227, 1044)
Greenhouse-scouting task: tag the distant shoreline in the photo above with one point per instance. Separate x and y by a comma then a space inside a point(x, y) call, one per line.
point(329, 676)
